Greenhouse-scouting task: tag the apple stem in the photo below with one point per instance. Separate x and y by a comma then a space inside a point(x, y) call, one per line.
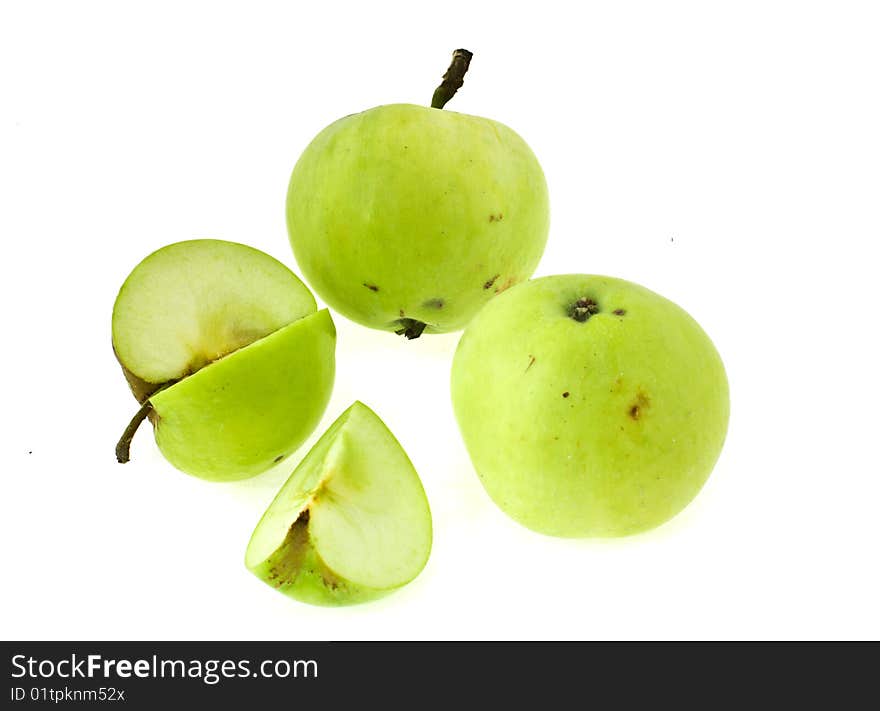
point(124, 444)
point(453, 79)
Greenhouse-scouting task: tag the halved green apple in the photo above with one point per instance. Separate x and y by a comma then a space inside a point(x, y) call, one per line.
point(351, 524)
point(223, 347)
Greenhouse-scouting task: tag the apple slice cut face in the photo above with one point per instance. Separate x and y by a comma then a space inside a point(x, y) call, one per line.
point(190, 303)
point(351, 523)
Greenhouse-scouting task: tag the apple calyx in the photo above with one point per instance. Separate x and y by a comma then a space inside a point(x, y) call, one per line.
point(452, 79)
point(410, 327)
point(582, 309)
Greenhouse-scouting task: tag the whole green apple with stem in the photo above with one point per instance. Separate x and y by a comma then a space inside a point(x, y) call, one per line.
point(590, 406)
point(225, 350)
point(351, 524)
point(410, 218)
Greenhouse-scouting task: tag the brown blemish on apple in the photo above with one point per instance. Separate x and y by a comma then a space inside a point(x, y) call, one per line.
point(638, 407)
point(509, 282)
point(496, 218)
point(371, 287)
point(490, 282)
point(278, 458)
point(619, 312)
point(434, 304)
point(566, 394)
point(402, 314)
point(329, 579)
point(286, 563)
point(289, 560)
point(531, 363)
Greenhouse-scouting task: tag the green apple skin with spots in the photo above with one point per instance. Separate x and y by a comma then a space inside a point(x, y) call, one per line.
point(590, 406)
point(406, 214)
point(351, 524)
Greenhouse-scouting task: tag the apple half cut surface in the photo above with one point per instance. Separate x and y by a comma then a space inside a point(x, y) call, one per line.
point(225, 350)
point(352, 523)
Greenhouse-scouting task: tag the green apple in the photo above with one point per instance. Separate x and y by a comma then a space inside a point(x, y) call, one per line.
point(410, 218)
point(590, 406)
point(223, 347)
point(351, 524)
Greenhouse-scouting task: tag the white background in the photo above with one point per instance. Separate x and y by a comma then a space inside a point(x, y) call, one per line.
point(726, 155)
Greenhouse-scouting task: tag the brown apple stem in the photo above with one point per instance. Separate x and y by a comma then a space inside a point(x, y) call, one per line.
point(124, 444)
point(453, 79)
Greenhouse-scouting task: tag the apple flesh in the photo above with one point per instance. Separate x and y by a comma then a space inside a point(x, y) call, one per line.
point(352, 522)
point(223, 347)
point(590, 406)
point(410, 218)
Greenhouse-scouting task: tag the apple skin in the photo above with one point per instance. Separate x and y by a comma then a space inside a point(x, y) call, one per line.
point(410, 212)
point(600, 428)
point(238, 416)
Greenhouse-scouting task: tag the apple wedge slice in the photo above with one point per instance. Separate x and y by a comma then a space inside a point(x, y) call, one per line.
point(352, 522)
point(223, 347)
